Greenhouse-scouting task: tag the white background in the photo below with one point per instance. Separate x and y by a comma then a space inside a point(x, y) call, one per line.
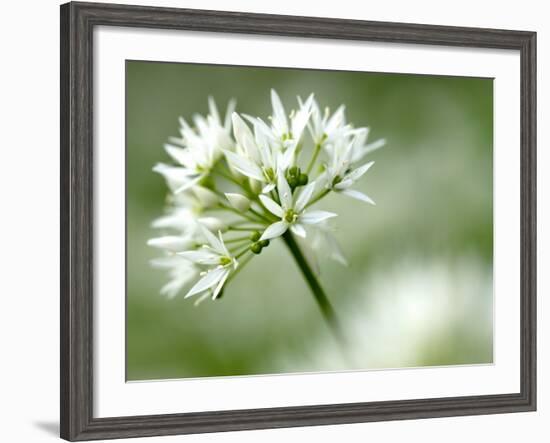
point(29, 103)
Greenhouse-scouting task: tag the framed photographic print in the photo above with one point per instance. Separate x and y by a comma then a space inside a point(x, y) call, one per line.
point(272, 221)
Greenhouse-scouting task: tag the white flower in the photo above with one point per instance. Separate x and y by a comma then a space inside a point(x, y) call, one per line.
point(198, 149)
point(181, 272)
point(175, 176)
point(324, 242)
point(213, 254)
point(188, 222)
point(289, 133)
point(324, 128)
point(196, 200)
point(347, 181)
point(292, 213)
point(213, 224)
point(360, 148)
point(205, 197)
point(256, 158)
point(340, 175)
point(238, 201)
point(173, 243)
point(259, 167)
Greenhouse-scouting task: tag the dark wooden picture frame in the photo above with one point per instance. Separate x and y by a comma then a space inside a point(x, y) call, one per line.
point(77, 24)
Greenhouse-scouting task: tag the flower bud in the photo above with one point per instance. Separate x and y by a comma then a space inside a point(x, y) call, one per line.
point(293, 182)
point(238, 201)
point(256, 248)
point(255, 236)
point(205, 196)
point(255, 186)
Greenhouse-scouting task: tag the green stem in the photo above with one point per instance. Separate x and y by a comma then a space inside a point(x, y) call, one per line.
point(242, 252)
point(245, 229)
point(251, 218)
point(244, 185)
point(237, 239)
point(227, 177)
point(262, 216)
point(316, 151)
point(236, 182)
point(318, 292)
point(275, 196)
point(266, 211)
point(319, 197)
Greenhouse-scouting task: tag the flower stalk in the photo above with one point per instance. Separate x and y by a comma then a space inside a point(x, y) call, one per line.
point(316, 289)
point(316, 151)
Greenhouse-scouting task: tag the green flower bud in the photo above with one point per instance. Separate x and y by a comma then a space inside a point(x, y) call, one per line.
point(238, 201)
point(255, 236)
point(294, 171)
point(256, 248)
point(303, 179)
point(292, 182)
point(264, 243)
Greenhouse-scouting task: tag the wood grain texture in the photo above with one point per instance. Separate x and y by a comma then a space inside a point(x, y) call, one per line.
point(76, 307)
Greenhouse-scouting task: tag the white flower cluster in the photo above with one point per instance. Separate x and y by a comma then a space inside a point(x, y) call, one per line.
point(237, 184)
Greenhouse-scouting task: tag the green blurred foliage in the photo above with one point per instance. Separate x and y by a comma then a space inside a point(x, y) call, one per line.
point(433, 187)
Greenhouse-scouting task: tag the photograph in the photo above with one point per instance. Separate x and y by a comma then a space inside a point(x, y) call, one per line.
point(288, 221)
point(278, 221)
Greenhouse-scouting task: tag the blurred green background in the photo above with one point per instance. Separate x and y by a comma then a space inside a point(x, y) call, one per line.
point(418, 290)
